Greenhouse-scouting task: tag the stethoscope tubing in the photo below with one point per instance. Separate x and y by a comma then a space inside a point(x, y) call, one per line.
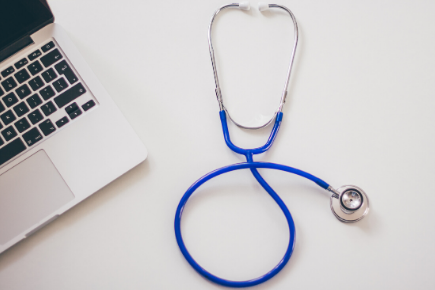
point(253, 166)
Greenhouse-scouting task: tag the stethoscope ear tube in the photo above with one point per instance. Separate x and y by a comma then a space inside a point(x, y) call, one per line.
point(245, 6)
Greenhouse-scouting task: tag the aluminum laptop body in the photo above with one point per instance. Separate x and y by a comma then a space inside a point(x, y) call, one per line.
point(62, 136)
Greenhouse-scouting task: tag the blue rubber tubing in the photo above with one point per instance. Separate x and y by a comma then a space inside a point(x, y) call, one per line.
point(253, 166)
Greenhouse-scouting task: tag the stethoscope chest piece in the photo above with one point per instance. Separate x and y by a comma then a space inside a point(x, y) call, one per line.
point(350, 204)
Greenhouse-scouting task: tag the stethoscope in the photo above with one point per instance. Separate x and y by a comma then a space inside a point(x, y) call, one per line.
point(348, 203)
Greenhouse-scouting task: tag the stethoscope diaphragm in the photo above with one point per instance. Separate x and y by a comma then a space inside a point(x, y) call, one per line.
point(350, 204)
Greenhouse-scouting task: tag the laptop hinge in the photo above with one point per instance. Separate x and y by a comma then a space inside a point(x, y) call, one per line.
point(15, 47)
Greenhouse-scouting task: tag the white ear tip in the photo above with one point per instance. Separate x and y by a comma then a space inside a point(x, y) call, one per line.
point(244, 5)
point(263, 6)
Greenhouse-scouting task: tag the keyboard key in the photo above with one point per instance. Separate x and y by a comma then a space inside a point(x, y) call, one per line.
point(21, 109)
point(88, 105)
point(1, 92)
point(9, 84)
point(48, 108)
point(34, 101)
point(22, 125)
point(23, 91)
point(75, 114)
point(8, 71)
point(8, 117)
point(51, 58)
point(22, 76)
point(32, 137)
point(21, 63)
point(2, 108)
point(36, 83)
point(34, 54)
point(47, 92)
point(11, 150)
point(60, 85)
point(9, 133)
point(48, 46)
point(1, 142)
point(47, 127)
point(62, 122)
point(34, 68)
point(63, 68)
point(70, 95)
point(49, 75)
point(35, 117)
point(71, 108)
point(10, 99)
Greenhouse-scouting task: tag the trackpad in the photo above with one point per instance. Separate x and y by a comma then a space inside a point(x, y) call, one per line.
point(30, 192)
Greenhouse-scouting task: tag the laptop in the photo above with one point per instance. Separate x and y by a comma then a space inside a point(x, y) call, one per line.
point(62, 138)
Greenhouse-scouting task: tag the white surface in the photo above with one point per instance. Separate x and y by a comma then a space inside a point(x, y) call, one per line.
point(360, 111)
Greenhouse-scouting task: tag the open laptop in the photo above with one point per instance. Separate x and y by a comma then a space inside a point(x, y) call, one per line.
point(62, 138)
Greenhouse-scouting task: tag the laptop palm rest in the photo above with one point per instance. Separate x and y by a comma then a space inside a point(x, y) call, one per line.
point(31, 191)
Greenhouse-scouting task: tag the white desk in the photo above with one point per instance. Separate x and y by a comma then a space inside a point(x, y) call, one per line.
point(360, 111)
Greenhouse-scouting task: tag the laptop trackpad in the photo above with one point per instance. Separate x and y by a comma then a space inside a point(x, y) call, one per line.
point(31, 191)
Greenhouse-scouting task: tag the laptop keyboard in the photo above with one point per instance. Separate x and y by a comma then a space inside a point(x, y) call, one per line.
point(32, 93)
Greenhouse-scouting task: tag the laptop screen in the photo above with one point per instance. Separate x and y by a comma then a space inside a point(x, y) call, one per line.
point(20, 18)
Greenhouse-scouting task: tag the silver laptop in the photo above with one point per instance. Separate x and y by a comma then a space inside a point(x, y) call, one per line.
point(62, 138)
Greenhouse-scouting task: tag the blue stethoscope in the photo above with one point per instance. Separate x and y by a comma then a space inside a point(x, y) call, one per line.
point(348, 203)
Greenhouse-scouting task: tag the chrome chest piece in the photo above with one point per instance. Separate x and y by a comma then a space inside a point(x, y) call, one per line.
point(349, 203)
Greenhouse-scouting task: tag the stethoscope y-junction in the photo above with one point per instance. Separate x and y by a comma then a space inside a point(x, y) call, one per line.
point(348, 203)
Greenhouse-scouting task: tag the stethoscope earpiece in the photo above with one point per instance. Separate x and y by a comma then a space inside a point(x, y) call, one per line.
point(263, 6)
point(244, 5)
point(349, 203)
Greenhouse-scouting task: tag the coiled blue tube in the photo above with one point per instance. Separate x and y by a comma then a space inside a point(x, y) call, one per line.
point(252, 165)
